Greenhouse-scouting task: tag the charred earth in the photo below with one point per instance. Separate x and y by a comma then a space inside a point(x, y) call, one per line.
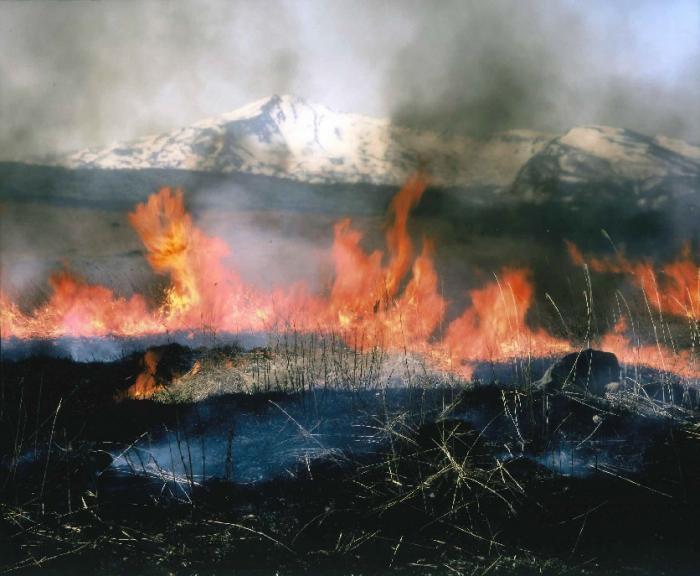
point(403, 472)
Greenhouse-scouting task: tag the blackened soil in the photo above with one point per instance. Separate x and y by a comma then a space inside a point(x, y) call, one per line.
point(469, 491)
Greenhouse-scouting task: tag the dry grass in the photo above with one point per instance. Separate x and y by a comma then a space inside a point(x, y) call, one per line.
point(299, 362)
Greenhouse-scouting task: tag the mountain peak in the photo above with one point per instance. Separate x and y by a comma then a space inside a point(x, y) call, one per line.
point(277, 107)
point(599, 158)
point(281, 107)
point(620, 146)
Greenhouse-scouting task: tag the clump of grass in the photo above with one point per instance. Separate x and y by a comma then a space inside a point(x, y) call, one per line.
point(295, 362)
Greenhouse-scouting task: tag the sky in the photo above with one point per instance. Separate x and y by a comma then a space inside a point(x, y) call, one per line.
point(76, 73)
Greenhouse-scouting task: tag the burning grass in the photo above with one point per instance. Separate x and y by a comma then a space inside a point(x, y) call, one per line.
point(389, 299)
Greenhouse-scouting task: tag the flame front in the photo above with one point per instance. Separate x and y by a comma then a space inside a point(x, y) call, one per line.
point(494, 327)
point(678, 293)
point(673, 290)
point(389, 299)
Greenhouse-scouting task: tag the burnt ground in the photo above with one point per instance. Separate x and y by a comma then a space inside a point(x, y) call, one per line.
point(473, 479)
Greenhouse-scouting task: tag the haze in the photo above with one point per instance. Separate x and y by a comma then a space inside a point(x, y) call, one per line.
point(77, 74)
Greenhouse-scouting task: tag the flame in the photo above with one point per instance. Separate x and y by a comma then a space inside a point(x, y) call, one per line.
point(146, 384)
point(76, 308)
point(494, 328)
point(634, 353)
point(203, 291)
point(388, 298)
point(365, 293)
point(678, 290)
point(674, 289)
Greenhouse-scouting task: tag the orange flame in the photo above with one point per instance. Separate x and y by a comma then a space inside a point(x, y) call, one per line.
point(146, 384)
point(76, 308)
point(494, 327)
point(678, 292)
point(364, 296)
point(681, 362)
point(389, 299)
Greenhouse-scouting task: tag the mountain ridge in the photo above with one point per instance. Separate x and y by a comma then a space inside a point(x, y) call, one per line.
point(288, 137)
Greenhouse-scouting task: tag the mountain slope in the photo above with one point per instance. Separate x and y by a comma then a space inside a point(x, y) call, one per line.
point(600, 163)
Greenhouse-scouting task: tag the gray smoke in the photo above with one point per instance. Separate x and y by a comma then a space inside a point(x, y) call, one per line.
point(76, 74)
point(479, 67)
point(86, 73)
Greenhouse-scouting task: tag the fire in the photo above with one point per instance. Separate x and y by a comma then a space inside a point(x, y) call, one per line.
point(389, 298)
point(76, 308)
point(146, 384)
point(173, 246)
point(203, 291)
point(678, 290)
point(674, 289)
point(365, 293)
point(494, 328)
point(634, 353)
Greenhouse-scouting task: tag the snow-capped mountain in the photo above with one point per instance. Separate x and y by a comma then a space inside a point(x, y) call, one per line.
point(604, 160)
point(287, 137)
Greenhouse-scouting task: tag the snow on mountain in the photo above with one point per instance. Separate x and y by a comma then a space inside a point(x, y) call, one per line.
point(608, 161)
point(632, 155)
point(287, 137)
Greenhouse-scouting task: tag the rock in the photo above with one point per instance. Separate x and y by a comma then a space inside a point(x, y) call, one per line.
point(589, 372)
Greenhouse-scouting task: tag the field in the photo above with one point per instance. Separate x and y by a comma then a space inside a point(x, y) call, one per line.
point(300, 451)
point(305, 455)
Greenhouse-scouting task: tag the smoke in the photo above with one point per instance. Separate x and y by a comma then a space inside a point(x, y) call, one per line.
point(79, 74)
point(481, 67)
point(271, 246)
point(86, 73)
